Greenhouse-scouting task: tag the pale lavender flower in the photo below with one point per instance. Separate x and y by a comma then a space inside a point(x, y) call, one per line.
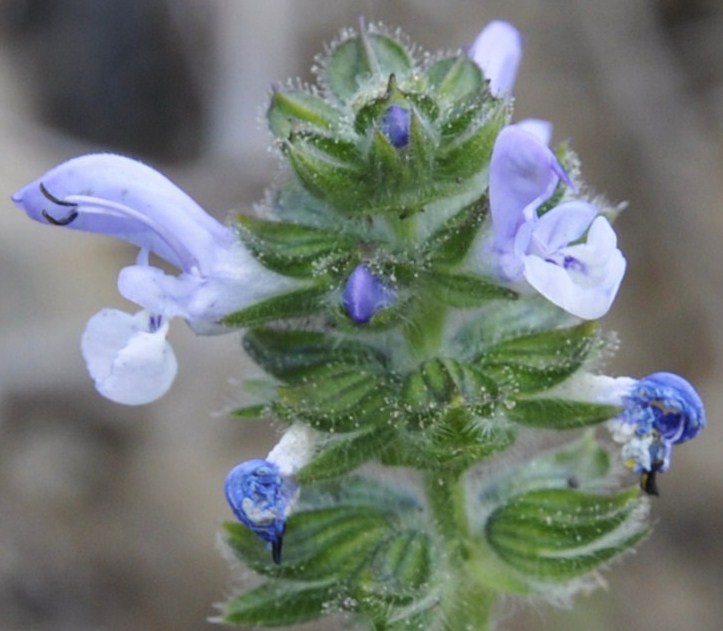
point(569, 254)
point(365, 294)
point(128, 200)
point(497, 50)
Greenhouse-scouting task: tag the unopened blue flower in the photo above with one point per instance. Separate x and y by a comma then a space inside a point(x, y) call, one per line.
point(365, 294)
point(569, 254)
point(659, 411)
point(497, 50)
point(395, 125)
point(123, 198)
point(260, 498)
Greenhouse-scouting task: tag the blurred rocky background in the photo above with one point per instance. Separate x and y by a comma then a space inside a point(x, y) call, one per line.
point(109, 516)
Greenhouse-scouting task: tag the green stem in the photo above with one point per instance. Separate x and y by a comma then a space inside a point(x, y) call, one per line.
point(467, 602)
point(445, 495)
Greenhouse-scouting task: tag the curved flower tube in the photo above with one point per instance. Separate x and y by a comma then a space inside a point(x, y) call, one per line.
point(123, 198)
point(497, 50)
point(569, 254)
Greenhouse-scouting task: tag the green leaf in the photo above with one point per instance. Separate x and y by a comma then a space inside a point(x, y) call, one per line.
point(292, 249)
point(281, 604)
point(294, 304)
point(290, 110)
point(386, 165)
point(329, 169)
point(363, 493)
point(454, 79)
point(451, 242)
point(468, 153)
point(559, 413)
point(582, 464)
point(288, 354)
point(362, 539)
point(445, 381)
point(252, 411)
point(345, 454)
point(462, 290)
point(354, 61)
point(496, 322)
point(318, 544)
point(451, 443)
point(339, 397)
point(401, 565)
point(535, 362)
point(557, 535)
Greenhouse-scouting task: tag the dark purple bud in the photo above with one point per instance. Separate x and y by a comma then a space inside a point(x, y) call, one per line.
point(364, 295)
point(395, 125)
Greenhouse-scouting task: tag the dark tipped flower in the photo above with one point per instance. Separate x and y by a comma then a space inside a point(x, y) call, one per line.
point(262, 492)
point(365, 294)
point(260, 498)
point(395, 125)
point(659, 411)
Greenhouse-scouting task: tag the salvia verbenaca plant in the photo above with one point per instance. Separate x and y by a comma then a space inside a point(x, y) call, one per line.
point(422, 289)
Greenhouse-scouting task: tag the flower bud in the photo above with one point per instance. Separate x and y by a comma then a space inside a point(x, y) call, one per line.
point(395, 125)
point(364, 295)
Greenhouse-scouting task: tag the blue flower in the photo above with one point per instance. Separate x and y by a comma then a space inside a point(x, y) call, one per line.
point(659, 411)
point(395, 125)
point(260, 498)
point(262, 493)
point(497, 50)
point(365, 294)
point(568, 254)
point(123, 198)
